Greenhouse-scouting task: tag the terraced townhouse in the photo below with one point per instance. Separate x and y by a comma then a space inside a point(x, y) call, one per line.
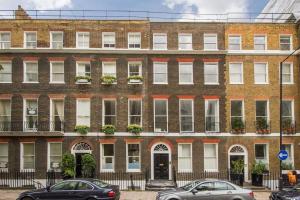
point(204, 93)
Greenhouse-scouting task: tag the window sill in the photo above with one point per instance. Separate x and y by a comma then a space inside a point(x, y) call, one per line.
point(160, 83)
point(31, 82)
point(107, 170)
point(89, 83)
point(186, 83)
point(211, 170)
point(6, 82)
point(137, 83)
point(261, 83)
point(27, 170)
point(292, 83)
point(133, 171)
point(185, 171)
point(211, 49)
point(211, 84)
point(236, 83)
point(57, 82)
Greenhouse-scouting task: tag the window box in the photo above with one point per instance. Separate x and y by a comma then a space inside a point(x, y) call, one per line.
point(109, 129)
point(108, 79)
point(134, 128)
point(3, 165)
point(83, 79)
point(82, 129)
point(237, 126)
point(288, 126)
point(135, 79)
point(262, 126)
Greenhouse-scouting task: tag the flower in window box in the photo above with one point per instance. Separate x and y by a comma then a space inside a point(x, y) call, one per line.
point(82, 129)
point(109, 129)
point(134, 128)
point(262, 126)
point(108, 79)
point(135, 79)
point(83, 79)
point(288, 126)
point(238, 126)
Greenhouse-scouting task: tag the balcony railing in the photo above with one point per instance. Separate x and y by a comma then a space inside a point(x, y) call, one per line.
point(263, 126)
point(32, 126)
point(237, 126)
point(288, 127)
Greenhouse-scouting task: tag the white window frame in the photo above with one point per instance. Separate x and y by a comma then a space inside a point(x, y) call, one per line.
point(217, 117)
point(291, 75)
point(83, 62)
point(102, 156)
point(292, 156)
point(77, 102)
point(267, 156)
point(210, 35)
point(185, 34)
point(291, 41)
point(77, 40)
point(242, 73)
point(25, 115)
point(22, 156)
point(292, 108)
point(103, 110)
point(166, 43)
point(1, 71)
point(267, 74)
point(268, 110)
point(191, 161)
point(243, 109)
point(266, 42)
point(206, 64)
point(167, 111)
point(10, 107)
point(135, 34)
point(179, 67)
point(103, 41)
point(240, 38)
point(25, 70)
point(25, 40)
point(2, 42)
point(51, 39)
point(49, 155)
point(127, 157)
point(154, 72)
point(51, 72)
point(140, 69)
point(141, 123)
point(111, 63)
point(7, 155)
point(51, 111)
point(217, 157)
point(193, 116)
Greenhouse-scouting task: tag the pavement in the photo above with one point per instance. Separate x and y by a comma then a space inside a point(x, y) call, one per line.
point(125, 195)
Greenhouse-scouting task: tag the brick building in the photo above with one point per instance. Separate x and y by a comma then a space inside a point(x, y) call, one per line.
point(208, 94)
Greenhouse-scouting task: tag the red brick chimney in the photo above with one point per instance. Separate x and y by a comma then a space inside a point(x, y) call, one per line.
point(21, 13)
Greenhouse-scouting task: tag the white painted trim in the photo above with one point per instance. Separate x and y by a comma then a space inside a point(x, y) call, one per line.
point(48, 153)
point(140, 63)
point(101, 156)
point(292, 73)
point(266, 41)
point(242, 71)
point(103, 109)
point(127, 158)
point(109, 62)
point(159, 34)
point(268, 109)
point(51, 38)
point(206, 64)
point(154, 72)
point(245, 154)
point(51, 110)
point(191, 152)
point(9, 63)
point(291, 41)
point(77, 101)
point(152, 159)
point(267, 73)
point(108, 33)
point(128, 106)
point(193, 128)
point(167, 110)
point(136, 34)
point(185, 34)
point(267, 152)
point(51, 75)
point(179, 66)
point(24, 112)
point(22, 154)
point(243, 110)
point(24, 71)
point(217, 114)
point(5, 41)
point(217, 157)
point(25, 39)
point(235, 35)
point(77, 44)
point(210, 34)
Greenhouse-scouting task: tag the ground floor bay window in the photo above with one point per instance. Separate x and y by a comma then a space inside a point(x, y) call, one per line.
point(107, 157)
point(211, 157)
point(27, 156)
point(185, 158)
point(133, 158)
point(54, 155)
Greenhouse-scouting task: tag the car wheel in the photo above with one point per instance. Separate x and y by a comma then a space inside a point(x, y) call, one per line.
point(27, 198)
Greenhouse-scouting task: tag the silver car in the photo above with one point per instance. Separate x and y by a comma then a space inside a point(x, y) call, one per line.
point(207, 190)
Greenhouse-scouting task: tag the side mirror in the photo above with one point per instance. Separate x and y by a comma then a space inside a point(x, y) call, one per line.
point(194, 191)
point(48, 188)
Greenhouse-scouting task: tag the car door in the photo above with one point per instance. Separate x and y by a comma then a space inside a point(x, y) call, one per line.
point(63, 191)
point(203, 192)
point(83, 190)
point(222, 191)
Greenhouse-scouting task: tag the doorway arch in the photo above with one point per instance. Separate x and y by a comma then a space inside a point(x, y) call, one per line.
point(236, 152)
point(161, 161)
point(78, 150)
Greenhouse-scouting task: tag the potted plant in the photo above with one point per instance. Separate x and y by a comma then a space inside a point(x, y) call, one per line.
point(238, 126)
point(134, 128)
point(237, 171)
point(135, 79)
point(257, 173)
point(108, 79)
point(68, 166)
point(82, 129)
point(262, 126)
point(88, 164)
point(83, 79)
point(287, 126)
point(109, 129)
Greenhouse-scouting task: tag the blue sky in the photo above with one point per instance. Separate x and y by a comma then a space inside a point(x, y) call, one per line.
point(190, 6)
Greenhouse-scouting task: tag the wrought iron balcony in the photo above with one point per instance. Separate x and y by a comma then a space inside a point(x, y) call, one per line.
point(263, 126)
point(31, 126)
point(288, 126)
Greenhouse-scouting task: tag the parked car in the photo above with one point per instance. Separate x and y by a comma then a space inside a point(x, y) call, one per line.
point(79, 189)
point(207, 190)
point(287, 194)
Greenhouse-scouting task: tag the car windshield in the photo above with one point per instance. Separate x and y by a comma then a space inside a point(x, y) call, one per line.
point(100, 183)
point(190, 185)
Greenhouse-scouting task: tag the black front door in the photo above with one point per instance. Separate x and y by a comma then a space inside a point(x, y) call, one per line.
point(78, 157)
point(161, 166)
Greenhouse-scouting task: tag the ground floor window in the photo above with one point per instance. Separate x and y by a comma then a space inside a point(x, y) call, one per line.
point(3, 156)
point(27, 156)
point(55, 155)
point(107, 157)
point(210, 157)
point(289, 162)
point(261, 153)
point(133, 157)
point(185, 157)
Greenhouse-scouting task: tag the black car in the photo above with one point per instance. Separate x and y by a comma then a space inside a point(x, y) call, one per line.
point(287, 194)
point(75, 189)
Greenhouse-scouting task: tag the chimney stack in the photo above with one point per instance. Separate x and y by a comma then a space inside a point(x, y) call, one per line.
point(21, 13)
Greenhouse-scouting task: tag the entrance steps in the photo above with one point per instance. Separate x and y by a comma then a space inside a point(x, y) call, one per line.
point(158, 185)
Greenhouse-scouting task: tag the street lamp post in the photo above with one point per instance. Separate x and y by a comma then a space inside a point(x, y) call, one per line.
point(280, 115)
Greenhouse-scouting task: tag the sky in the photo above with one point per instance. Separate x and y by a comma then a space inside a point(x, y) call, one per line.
point(182, 6)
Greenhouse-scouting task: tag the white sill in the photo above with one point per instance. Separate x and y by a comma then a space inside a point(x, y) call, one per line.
point(185, 171)
point(108, 48)
point(133, 170)
point(134, 48)
point(288, 83)
point(211, 84)
point(6, 82)
point(107, 170)
point(57, 82)
point(211, 49)
point(114, 83)
point(88, 83)
point(31, 82)
point(135, 83)
point(236, 83)
point(185, 49)
point(27, 170)
point(211, 170)
point(187, 132)
point(160, 83)
point(186, 83)
point(82, 47)
point(159, 49)
point(261, 83)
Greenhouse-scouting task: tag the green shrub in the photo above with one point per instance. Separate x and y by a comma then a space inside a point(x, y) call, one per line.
point(134, 128)
point(88, 78)
point(68, 165)
point(238, 166)
point(88, 165)
point(109, 129)
point(259, 168)
point(287, 166)
point(108, 79)
point(82, 129)
point(135, 77)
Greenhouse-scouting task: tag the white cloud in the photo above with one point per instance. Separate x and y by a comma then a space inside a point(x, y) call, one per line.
point(35, 4)
point(206, 7)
